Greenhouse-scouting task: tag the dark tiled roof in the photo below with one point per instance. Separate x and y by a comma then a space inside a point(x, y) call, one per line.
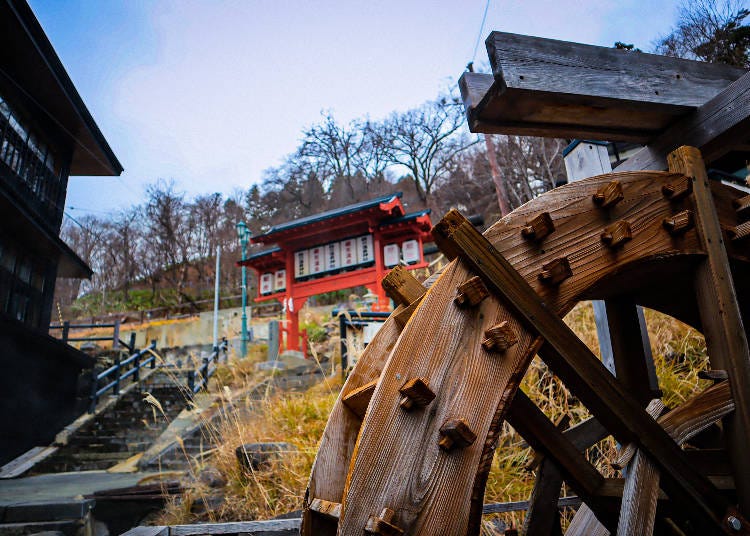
point(329, 214)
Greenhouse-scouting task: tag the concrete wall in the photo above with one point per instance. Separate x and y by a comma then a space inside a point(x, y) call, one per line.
point(196, 330)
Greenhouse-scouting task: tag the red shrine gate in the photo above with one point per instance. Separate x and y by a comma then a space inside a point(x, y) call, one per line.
point(343, 248)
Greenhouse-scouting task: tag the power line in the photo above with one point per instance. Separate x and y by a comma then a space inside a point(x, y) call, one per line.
point(93, 210)
point(481, 28)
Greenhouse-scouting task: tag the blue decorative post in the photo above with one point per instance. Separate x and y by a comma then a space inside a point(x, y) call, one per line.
point(244, 235)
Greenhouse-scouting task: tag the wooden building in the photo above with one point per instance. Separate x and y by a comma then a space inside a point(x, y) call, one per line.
point(46, 135)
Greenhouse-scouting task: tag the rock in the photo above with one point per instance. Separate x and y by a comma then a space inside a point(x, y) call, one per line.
point(91, 348)
point(288, 355)
point(271, 365)
point(212, 478)
point(297, 364)
point(206, 504)
point(255, 455)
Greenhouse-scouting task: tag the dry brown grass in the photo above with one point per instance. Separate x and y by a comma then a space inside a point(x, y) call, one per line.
point(300, 418)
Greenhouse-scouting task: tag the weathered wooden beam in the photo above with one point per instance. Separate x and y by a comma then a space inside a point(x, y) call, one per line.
point(542, 517)
point(545, 87)
point(583, 373)
point(726, 338)
point(561, 67)
point(713, 128)
point(632, 358)
point(482, 110)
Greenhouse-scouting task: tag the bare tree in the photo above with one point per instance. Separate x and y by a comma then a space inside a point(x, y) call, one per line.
point(710, 30)
point(122, 237)
point(426, 141)
point(531, 166)
point(169, 234)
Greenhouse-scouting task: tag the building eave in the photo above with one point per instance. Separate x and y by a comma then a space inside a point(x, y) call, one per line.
point(34, 68)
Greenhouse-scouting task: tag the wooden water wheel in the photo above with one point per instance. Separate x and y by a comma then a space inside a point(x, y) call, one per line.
point(410, 441)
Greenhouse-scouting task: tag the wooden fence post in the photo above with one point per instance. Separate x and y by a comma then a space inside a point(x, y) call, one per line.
point(116, 335)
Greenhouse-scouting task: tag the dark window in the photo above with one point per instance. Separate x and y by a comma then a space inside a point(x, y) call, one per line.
point(22, 279)
point(25, 155)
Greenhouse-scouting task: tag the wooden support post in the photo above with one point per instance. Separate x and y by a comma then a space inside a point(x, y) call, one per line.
point(65, 331)
point(584, 375)
point(631, 352)
point(543, 516)
point(726, 339)
point(539, 432)
point(116, 335)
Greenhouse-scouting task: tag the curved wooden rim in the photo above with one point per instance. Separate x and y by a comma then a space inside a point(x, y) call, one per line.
point(579, 224)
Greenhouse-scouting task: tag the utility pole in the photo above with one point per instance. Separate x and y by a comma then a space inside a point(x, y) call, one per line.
point(502, 194)
point(216, 298)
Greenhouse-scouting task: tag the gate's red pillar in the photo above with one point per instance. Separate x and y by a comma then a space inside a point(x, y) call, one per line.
point(293, 307)
point(383, 301)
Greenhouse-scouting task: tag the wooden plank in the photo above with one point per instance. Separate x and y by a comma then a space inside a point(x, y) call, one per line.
point(561, 67)
point(326, 508)
point(585, 434)
point(271, 527)
point(585, 523)
point(638, 507)
point(544, 87)
point(147, 531)
point(358, 399)
point(726, 338)
point(716, 126)
point(26, 461)
point(582, 372)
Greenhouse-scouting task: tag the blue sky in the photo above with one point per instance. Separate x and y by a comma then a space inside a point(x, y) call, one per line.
point(211, 93)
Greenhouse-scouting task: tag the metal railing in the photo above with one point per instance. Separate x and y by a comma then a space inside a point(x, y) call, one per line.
point(114, 375)
point(197, 380)
point(358, 320)
point(114, 338)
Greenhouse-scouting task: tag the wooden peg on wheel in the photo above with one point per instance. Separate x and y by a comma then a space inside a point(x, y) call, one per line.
point(456, 434)
point(609, 195)
point(471, 292)
point(416, 393)
point(382, 525)
point(538, 227)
